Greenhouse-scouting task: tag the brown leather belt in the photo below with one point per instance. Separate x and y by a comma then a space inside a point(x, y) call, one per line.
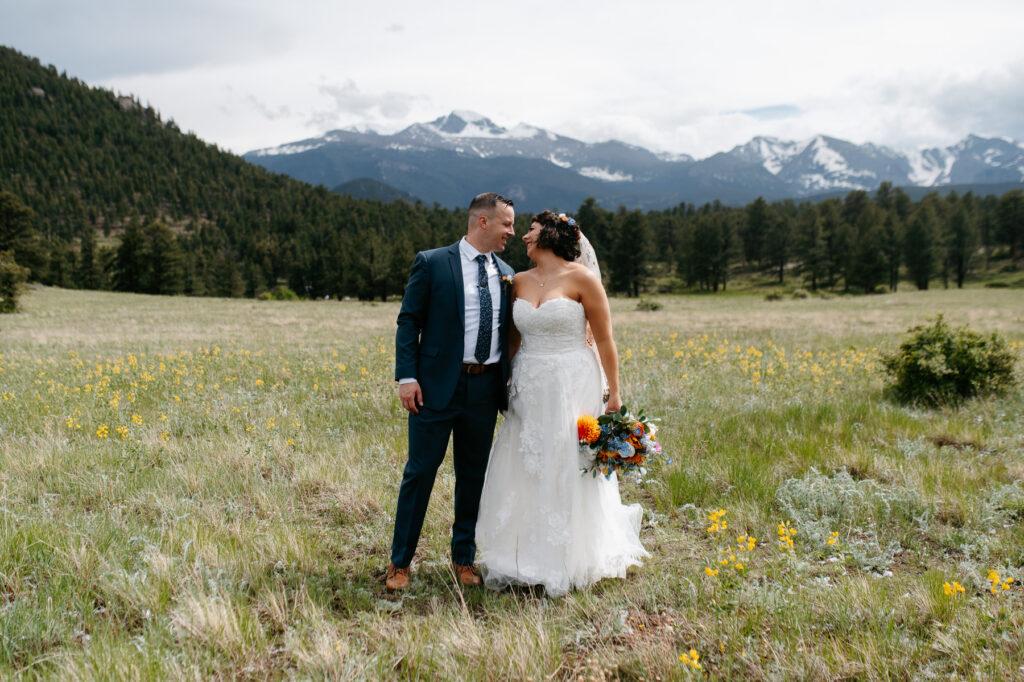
point(473, 368)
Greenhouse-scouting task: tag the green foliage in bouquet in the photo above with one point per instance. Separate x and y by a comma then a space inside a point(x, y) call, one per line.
point(940, 365)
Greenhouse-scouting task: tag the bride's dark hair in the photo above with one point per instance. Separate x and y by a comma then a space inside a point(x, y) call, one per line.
point(559, 234)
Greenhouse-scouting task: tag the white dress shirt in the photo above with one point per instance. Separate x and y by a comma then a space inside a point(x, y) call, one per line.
point(470, 269)
point(472, 301)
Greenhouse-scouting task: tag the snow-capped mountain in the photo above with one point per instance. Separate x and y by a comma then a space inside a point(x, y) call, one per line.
point(825, 163)
point(454, 156)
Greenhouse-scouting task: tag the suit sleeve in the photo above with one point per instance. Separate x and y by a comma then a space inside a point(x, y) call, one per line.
point(415, 304)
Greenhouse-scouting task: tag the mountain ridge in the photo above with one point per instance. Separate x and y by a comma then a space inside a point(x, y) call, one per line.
point(453, 150)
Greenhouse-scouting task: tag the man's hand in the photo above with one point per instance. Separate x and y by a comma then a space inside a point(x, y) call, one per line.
point(411, 397)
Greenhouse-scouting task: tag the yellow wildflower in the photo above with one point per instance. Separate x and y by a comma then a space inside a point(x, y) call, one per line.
point(691, 658)
point(952, 589)
point(717, 522)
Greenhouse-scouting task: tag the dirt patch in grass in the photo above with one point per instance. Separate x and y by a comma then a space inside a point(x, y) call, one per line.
point(946, 440)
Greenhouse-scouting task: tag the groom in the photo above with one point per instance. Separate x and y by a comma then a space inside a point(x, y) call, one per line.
point(452, 366)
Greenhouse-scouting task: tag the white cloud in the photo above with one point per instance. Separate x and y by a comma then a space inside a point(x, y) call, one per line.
point(350, 102)
point(680, 77)
point(102, 39)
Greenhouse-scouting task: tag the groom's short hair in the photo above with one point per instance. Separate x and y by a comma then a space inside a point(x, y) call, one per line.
point(486, 203)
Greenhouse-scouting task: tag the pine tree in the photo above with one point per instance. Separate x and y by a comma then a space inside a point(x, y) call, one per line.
point(867, 263)
point(88, 275)
point(130, 265)
point(892, 247)
point(227, 278)
point(1011, 222)
point(864, 262)
point(810, 246)
point(703, 253)
point(60, 268)
point(777, 243)
point(18, 235)
point(15, 222)
point(961, 244)
point(632, 244)
point(598, 225)
point(166, 264)
point(12, 279)
point(752, 233)
point(836, 236)
point(920, 246)
point(196, 276)
point(988, 224)
point(725, 221)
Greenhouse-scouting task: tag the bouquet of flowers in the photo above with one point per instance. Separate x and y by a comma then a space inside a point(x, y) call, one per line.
point(618, 441)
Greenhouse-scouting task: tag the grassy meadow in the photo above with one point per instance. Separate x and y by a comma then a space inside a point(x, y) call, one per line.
point(205, 489)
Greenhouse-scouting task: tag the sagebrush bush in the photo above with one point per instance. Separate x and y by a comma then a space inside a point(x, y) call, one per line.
point(940, 365)
point(870, 515)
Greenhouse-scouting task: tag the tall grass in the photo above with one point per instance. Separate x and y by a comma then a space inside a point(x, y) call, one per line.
point(197, 488)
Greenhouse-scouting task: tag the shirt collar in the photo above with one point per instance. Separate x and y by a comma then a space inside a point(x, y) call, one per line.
point(470, 253)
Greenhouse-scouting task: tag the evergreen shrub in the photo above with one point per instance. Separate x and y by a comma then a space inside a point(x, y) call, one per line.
point(279, 293)
point(647, 304)
point(12, 280)
point(940, 365)
point(1006, 284)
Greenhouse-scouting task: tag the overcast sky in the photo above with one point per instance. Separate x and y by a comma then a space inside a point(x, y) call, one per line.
point(682, 76)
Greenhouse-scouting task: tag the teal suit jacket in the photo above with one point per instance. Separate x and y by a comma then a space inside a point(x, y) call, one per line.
point(431, 325)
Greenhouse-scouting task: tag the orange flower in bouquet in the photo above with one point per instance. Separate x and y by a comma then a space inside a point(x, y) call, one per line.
point(588, 429)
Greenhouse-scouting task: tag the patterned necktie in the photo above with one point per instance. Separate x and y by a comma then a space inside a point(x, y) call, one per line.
point(483, 336)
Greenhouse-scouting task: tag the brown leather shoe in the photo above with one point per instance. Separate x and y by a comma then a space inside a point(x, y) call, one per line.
point(398, 578)
point(467, 575)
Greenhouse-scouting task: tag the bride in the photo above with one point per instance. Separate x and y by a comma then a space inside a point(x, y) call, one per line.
point(541, 520)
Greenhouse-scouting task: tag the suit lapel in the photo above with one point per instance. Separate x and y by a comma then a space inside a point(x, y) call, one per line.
point(505, 288)
point(455, 262)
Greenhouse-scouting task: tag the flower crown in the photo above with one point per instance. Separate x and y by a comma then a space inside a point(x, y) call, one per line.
point(562, 218)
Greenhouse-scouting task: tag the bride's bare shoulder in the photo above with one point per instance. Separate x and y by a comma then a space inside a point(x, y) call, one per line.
point(579, 270)
point(582, 275)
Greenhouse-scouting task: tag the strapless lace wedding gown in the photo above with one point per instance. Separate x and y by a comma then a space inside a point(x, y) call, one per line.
point(542, 521)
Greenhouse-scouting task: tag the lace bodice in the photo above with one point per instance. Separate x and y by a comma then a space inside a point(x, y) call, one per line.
point(555, 326)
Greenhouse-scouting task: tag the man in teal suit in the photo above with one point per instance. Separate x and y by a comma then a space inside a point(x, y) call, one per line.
point(451, 362)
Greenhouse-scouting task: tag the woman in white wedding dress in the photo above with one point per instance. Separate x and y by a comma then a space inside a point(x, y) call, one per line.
point(542, 521)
